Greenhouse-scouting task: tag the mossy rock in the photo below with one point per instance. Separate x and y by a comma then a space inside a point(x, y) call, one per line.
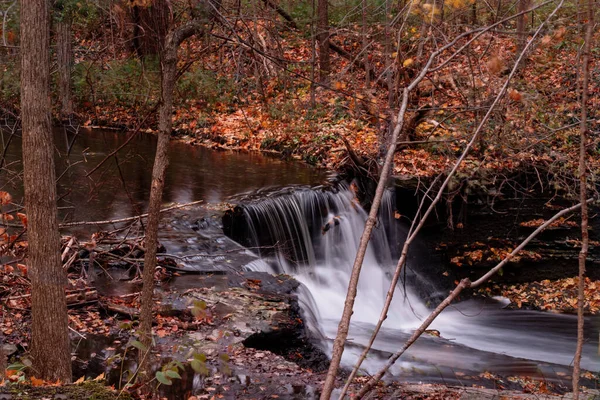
point(85, 391)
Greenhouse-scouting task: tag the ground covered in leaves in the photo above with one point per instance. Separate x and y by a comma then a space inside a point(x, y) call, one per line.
point(279, 116)
point(546, 295)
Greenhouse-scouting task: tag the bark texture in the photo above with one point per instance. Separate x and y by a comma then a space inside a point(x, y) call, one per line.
point(523, 5)
point(161, 160)
point(168, 78)
point(50, 347)
point(583, 128)
point(64, 55)
point(323, 39)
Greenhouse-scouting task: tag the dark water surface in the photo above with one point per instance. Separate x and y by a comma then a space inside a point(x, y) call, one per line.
point(120, 188)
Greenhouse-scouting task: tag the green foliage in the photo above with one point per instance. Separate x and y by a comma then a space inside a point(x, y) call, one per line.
point(139, 345)
point(204, 85)
point(126, 83)
point(10, 83)
point(198, 364)
point(169, 372)
point(79, 10)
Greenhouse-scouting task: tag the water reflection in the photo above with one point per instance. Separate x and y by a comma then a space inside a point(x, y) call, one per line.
point(121, 186)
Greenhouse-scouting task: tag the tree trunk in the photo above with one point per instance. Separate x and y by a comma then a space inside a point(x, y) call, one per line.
point(365, 42)
point(64, 53)
point(161, 160)
point(583, 194)
point(522, 25)
point(323, 39)
point(50, 347)
point(168, 62)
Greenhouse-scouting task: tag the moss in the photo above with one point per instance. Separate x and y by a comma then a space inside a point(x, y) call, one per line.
point(87, 391)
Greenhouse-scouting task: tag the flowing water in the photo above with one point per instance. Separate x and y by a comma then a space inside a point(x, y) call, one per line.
point(312, 234)
point(316, 235)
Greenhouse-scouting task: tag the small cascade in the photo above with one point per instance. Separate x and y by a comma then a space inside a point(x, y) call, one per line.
point(313, 234)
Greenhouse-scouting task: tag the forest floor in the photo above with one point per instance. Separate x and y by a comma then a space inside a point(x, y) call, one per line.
point(535, 125)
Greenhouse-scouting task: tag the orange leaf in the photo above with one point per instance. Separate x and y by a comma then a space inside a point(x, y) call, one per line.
point(5, 198)
point(7, 217)
point(23, 219)
point(161, 333)
point(23, 269)
point(514, 95)
point(37, 382)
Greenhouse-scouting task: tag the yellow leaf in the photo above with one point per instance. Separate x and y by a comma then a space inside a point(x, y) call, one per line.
point(408, 62)
point(99, 377)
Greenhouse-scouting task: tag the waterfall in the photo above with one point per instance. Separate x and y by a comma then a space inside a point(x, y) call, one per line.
point(313, 235)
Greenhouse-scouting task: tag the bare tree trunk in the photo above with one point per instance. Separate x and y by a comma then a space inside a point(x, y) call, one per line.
point(168, 55)
point(365, 43)
point(522, 25)
point(583, 194)
point(313, 56)
point(323, 39)
point(161, 160)
point(50, 347)
point(64, 53)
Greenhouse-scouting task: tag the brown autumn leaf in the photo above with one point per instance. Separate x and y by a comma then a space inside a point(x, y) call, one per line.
point(23, 269)
point(23, 219)
point(37, 382)
point(546, 40)
point(514, 95)
point(495, 65)
point(5, 198)
point(161, 333)
point(560, 33)
point(7, 217)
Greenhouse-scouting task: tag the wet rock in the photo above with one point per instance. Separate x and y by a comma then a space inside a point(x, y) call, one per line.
point(254, 308)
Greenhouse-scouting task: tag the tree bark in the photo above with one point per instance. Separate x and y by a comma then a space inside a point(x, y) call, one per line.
point(323, 39)
point(64, 54)
point(583, 194)
point(161, 160)
point(521, 25)
point(365, 43)
point(168, 60)
point(50, 347)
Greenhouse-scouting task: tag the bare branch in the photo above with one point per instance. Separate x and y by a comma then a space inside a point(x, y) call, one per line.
point(465, 283)
point(128, 219)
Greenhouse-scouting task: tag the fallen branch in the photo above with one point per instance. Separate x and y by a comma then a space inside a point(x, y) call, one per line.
point(282, 12)
point(128, 219)
point(121, 309)
point(76, 297)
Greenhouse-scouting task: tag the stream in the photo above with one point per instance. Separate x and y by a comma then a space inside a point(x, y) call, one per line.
point(287, 223)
